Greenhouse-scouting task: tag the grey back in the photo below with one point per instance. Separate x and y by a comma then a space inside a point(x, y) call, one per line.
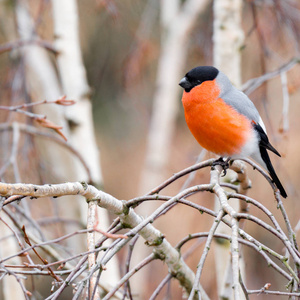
point(238, 100)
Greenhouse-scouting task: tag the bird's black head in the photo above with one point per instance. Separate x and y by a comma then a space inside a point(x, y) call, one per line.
point(198, 75)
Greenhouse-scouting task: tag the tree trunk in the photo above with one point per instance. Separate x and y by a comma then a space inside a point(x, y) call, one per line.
point(75, 86)
point(177, 22)
point(228, 38)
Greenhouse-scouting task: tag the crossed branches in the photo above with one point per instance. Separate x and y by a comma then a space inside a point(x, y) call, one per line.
point(85, 274)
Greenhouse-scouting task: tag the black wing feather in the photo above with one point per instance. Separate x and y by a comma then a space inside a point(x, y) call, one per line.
point(264, 141)
point(264, 144)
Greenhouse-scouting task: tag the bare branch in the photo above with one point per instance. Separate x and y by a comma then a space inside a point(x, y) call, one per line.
point(162, 248)
point(195, 289)
point(252, 84)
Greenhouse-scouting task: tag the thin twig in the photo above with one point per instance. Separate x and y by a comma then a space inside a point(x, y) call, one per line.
point(28, 129)
point(21, 43)
point(143, 263)
point(286, 102)
point(252, 84)
point(91, 224)
point(195, 289)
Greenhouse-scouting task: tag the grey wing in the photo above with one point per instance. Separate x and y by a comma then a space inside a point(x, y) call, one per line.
point(239, 101)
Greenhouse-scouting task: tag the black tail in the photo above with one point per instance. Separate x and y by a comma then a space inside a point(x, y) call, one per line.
point(265, 156)
point(264, 144)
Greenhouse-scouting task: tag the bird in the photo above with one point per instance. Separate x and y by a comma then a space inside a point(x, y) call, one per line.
point(224, 120)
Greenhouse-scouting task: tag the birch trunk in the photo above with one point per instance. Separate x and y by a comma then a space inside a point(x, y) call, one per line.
point(177, 22)
point(43, 83)
point(75, 86)
point(228, 38)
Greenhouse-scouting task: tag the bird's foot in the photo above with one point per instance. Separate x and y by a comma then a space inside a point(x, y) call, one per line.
point(223, 163)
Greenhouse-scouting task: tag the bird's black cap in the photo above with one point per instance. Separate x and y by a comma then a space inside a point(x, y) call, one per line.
point(198, 75)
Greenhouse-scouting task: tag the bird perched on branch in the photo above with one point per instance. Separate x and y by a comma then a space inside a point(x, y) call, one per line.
point(224, 120)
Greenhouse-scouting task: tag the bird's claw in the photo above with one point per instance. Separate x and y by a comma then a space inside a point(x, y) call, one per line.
point(223, 163)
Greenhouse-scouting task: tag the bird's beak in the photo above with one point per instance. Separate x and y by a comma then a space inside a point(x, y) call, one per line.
point(184, 83)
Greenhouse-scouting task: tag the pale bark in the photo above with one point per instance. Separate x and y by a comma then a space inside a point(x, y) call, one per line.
point(177, 22)
point(228, 38)
point(91, 224)
point(75, 86)
point(43, 83)
point(154, 238)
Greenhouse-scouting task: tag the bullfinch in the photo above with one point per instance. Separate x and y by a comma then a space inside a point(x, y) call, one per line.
point(224, 120)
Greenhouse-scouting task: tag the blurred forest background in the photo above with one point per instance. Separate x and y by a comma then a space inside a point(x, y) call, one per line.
point(123, 44)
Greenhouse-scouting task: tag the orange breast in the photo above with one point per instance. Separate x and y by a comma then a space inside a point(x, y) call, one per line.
point(216, 126)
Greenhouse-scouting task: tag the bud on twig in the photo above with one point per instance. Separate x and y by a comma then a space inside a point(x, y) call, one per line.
point(48, 124)
point(63, 101)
